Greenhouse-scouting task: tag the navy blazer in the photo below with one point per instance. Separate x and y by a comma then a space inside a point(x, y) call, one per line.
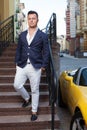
point(37, 51)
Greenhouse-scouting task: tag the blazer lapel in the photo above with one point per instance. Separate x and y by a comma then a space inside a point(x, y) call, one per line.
point(36, 37)
point(25, 37)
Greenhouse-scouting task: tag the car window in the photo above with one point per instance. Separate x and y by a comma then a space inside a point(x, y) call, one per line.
point(75, 76)
point(83, 78)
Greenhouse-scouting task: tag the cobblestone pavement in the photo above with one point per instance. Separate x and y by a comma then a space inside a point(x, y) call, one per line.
point(68, 63)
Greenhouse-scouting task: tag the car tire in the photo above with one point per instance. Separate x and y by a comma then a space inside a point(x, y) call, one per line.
point(60, 101)
point(77, 122)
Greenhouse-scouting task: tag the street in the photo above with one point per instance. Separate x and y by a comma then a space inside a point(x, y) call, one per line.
point(68, 63)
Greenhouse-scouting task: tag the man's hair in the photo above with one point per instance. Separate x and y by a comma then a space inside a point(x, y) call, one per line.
point(33, 12)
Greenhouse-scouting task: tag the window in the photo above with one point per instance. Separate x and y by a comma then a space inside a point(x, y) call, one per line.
point(83, 77)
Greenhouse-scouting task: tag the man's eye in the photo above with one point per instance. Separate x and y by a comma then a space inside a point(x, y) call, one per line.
point(32, 19)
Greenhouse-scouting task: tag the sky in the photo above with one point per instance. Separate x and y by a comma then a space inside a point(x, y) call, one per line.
point(45, 9)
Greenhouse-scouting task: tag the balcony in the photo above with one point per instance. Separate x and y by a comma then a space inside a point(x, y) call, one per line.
point(84, 28)
point(78, 31)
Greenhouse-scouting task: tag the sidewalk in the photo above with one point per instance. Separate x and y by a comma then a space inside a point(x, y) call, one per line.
point(69, 56)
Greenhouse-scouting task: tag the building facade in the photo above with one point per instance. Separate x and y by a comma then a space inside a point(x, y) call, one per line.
point(78, 27)
point(7, 8)
point(13, 7)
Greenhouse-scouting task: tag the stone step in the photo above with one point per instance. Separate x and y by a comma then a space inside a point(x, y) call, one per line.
point(7, 65)
point(8, 109)
point(7, 71)
point(11, 47)
point(8, 87)
point(10, 79)
point(9, 53)
point(7, 58)
point(7, 62)
point(23, 122)
point(10, 97)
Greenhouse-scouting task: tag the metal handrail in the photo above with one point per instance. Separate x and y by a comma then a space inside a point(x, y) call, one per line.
point(51, 73)
point(6, 33)
point(52, 80)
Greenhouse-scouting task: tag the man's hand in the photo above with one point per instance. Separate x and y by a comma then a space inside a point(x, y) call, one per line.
point(42, 69)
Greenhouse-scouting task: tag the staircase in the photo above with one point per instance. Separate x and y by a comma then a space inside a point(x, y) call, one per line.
point(12, 115)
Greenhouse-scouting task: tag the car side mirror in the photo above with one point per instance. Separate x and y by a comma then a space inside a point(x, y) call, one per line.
point(69, 78)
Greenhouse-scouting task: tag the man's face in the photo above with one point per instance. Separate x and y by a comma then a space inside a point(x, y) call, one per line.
point(32, 20)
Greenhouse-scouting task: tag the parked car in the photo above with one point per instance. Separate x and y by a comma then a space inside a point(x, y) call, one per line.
point(61, 54)
point(72, 92)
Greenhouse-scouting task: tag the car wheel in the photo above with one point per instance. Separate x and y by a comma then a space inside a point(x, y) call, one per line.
point(60, 101)
point(77, 122)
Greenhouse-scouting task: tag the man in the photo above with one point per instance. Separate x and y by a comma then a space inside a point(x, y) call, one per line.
point(32, 57)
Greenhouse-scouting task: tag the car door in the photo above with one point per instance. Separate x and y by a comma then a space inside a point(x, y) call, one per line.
point(66, 88)
point(70, 92)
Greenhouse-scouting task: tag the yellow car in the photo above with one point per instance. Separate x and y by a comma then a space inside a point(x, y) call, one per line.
point(72, 92)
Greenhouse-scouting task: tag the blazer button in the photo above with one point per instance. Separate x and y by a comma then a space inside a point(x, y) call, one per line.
point(28, 54)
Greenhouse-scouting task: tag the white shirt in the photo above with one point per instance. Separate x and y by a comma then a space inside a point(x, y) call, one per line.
point(29, 39)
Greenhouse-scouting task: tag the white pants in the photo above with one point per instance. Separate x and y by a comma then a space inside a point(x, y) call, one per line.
point(22, 74)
